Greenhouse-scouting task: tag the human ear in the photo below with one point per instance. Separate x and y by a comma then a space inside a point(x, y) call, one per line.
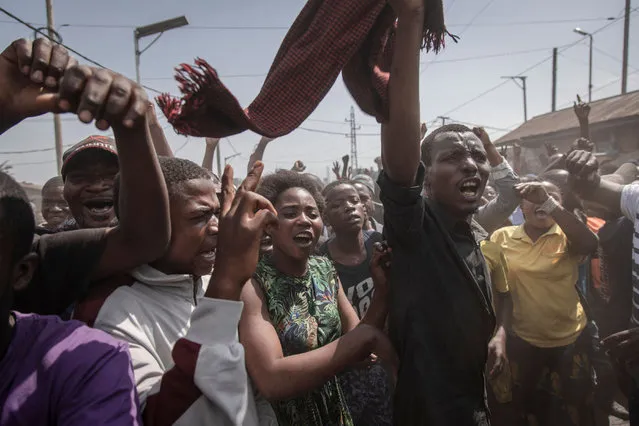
point(23, 271)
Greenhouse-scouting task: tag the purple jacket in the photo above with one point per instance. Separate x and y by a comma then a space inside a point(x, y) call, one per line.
point(64, 373)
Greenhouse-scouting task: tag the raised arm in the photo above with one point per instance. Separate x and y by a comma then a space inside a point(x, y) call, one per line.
point(115, 101)
point(401, 134)
point(586, 182)
point(581, 239)
point(110, 100)
point(209, 153)
point(158, 137)
point(258, 153)
point(492, 215)
point(582, 110)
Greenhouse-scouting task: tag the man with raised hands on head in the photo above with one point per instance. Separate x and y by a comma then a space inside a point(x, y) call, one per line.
point(441, 317)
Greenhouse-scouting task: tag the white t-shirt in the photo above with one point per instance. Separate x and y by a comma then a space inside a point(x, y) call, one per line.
point(630, 209)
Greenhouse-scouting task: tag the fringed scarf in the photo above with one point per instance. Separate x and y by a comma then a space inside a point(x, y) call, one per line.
point(328, 36)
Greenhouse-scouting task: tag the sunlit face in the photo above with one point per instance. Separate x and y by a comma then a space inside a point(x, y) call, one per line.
point(458, 172)
point(194, 227)
point(88, 188)
point(366, 198)
point(344, 209)
point(55, 209)
point(299, 224)
point(534, 216)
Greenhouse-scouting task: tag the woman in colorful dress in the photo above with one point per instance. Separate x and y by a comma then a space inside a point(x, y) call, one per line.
point(550, 346)
point(298, 328)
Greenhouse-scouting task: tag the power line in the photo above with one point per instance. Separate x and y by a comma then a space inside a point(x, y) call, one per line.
point(45, 35)
point(281, 28)
point(564, 48)
point(31, 151)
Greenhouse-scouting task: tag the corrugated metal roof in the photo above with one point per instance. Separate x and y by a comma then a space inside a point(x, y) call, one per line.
point(608, 109)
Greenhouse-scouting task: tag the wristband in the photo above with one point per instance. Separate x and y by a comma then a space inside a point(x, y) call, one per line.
point(549, 205)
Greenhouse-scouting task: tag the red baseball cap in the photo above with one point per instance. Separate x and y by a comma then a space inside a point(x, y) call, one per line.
point(102, 143)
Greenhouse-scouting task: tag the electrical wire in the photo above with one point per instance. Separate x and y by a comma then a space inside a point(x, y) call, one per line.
point(492, 89)
point(70, 49)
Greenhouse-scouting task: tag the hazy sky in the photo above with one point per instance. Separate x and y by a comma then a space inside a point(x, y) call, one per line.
point(498, 38)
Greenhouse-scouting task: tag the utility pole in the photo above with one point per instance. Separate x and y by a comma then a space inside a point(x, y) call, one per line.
point(57, 123)
point(554, 79)
point(517, 79)
point(626, 35)
point(443, 119)
point(353, 136)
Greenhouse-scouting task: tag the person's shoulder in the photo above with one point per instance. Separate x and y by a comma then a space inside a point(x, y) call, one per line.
point(69, 239)
point(68, 343)
point(505, 233)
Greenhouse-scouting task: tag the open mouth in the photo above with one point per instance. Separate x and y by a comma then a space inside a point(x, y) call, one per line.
point(353, 218)
point(304, 239)
point(540, 214)
point(99, 206)
point(469, 188)
point(208, 256)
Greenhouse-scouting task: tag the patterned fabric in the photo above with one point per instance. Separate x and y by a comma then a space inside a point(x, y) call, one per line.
point(305, 315)
point(630, 209)
point(552, 386)
point(328, 36)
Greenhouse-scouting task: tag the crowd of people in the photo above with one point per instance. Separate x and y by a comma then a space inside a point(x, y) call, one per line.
point(445, 288)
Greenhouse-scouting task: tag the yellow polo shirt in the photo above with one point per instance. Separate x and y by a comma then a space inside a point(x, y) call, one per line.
point(497, 265)
point(542, 275)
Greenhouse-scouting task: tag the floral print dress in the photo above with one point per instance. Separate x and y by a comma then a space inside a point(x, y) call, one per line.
point(305, 314)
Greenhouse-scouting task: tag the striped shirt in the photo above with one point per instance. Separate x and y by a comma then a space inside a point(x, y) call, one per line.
point(630, 209)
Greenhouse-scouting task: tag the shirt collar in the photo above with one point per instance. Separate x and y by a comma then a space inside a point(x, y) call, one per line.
point(520, 233)
point(452, 225)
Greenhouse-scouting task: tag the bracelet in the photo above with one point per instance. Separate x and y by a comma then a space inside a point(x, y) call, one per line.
point(549, 205)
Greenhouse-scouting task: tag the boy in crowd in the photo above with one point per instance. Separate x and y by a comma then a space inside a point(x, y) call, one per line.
point(69, 261)
point(55, 209)
point(441, 317)
point(188, 362)
point(54, 372)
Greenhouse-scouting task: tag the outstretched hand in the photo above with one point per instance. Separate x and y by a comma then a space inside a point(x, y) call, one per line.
point(244, 217)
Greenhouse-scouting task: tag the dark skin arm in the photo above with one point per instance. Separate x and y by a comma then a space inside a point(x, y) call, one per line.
point(585, 180)
point(157, 135)
point(209, 153)
point(401, 133)
point(582, 110)
point(112, 101)
point(581, 239)
point(115, 101)
point(258, 154)
point(497, 346)
point(380, 265)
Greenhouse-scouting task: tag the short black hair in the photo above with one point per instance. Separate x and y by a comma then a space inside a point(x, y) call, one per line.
point(427, 144)
point(54, 182)
point(176, 171)
point(327, 193)
point(273, 185)
point(17, 222)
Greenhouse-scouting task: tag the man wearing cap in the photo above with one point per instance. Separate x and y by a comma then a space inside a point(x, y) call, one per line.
point(88, 169)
